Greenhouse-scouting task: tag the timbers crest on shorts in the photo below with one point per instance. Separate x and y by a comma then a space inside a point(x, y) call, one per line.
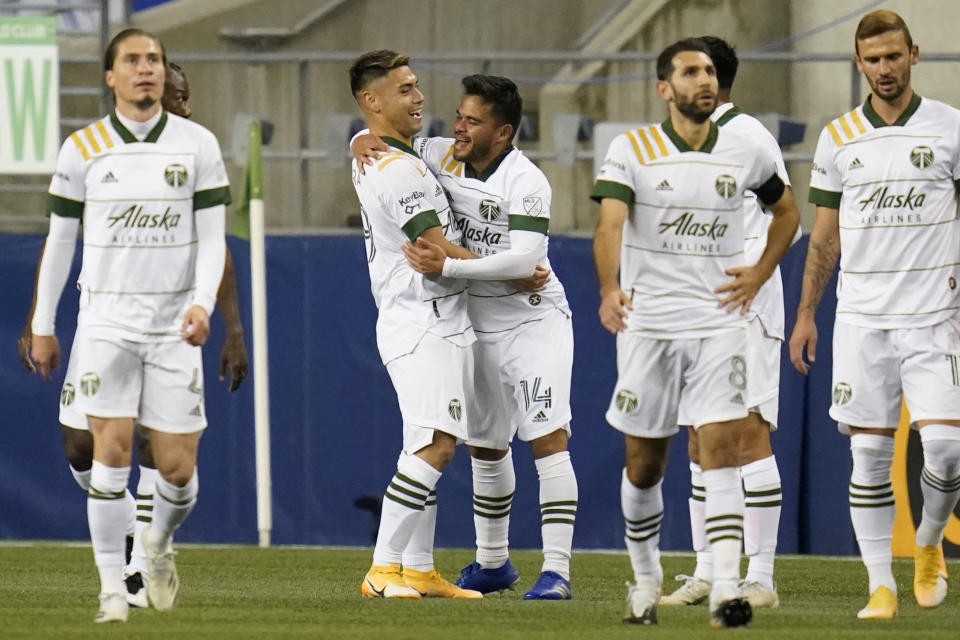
point(455, 409)
point(842, 393)
point(89, 383)
point(67, 394)
point(626, 401)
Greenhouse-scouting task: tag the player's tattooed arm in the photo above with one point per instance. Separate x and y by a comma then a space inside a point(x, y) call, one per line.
point(822, 255)
point(233, 354)
point(25, 341)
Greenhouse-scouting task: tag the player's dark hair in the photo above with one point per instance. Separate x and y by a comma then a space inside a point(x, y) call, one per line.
point(502, 96)
point(877, 22)
point(373, 65)
point(173, 66)
point(110, 55)
point(724, 57)
point(665, 59)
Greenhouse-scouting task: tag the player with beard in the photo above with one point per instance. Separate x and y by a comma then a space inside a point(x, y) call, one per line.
point(671, 225)
point(885, 180)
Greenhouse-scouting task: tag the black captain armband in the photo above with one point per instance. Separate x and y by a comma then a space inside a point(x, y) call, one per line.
point(771, 190)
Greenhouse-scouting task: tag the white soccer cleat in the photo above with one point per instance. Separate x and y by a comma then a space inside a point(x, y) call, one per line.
point(759, 596)
point(164, 584)
point(113, 608)
point(641, 604)
point(694, 590)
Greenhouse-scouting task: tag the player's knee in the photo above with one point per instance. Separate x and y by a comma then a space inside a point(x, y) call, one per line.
point(178, 474)
point(77, 447)
point(693, 446)
point(488, 455)
point(549, 444)
point(644, 473)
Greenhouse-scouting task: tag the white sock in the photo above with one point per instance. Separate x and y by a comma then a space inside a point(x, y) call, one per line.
point(643, 513)
point(107, 516)
point(82, 478)
point(144, 499)
point(940, 481)
point(494, 482)
point(696, 504)
point(418, 554)
point(871, 505)
point(558, 510)
point(723, 519)
point(761, 520)
point(403, 505)
point(171, 506)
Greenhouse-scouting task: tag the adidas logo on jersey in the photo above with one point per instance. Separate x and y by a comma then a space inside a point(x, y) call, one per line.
point(664, 186)
point(540, 417)
point(109, 178)
point(855, 164)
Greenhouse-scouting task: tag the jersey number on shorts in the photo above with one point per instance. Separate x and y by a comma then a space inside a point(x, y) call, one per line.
point(738, 377)
point(533, 395)
point(952, 359)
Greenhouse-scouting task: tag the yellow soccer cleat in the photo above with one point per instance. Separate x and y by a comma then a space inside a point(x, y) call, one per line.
point(929, 576)
point(882, 605)
point(430, 584)
point(385, 581)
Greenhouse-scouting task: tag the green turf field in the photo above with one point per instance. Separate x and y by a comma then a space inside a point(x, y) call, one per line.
point(49, 591)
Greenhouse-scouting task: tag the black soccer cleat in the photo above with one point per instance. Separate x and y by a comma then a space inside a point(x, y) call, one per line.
point(735, 612)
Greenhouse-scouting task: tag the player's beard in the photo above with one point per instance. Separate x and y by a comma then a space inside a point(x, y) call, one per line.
point(900, 85)
point(144, 104)
point(477, 151)
point(689, 108)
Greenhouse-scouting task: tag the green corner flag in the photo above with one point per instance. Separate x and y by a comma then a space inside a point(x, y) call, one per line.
point(252, 183)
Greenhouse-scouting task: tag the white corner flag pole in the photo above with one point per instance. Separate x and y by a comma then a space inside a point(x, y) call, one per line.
point(261, 380)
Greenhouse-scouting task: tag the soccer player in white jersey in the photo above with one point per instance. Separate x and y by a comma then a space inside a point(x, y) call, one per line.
point(423, 332)
point(151, 189)
point(75, 434)
point(885, 179)
point(671, 224)
point(758, 467)
point(524, 349)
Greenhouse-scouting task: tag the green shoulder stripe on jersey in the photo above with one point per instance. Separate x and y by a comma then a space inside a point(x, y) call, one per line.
point(728, 116)
point(493, 166)
point(877, 121)
point(529, 223)
point(606, 189)
point(211, 198)
point(420, 223)
point(821, 198)
point(682, 145)
point(129, 138)
point(64, 207)
point(393, 142)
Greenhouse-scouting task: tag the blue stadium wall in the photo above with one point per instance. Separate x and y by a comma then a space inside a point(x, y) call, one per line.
point(335, 426)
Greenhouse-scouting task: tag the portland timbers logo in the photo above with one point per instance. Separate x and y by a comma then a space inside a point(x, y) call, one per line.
point(489, 210)
point(626, 401)
point(67, 394)
point(89, 383)
point(921, 157)
point(726, 186)
point(175, 175)
point(842, 393)
point(455, 409)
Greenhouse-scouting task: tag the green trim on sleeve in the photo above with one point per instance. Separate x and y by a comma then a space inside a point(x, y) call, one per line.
point(211, 198)
point(821, 198)
point(420, 223)
point(529, 223)
point(607, 189)
point(956, 186)
point(64, 207)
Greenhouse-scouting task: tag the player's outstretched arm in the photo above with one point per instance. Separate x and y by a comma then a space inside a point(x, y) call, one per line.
point(614, 302)
point(25, 341)
point(822, 254)
point(233, 354)
point(748, 279)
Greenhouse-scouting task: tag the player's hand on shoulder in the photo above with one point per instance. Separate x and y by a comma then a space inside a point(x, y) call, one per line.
point(24, 342)
point(233, 360)
point(537, 281)
point(366, 149)
point(46, 355)
point(614, 307)
point(196, 325)
point(804, 338)
point(424, 256)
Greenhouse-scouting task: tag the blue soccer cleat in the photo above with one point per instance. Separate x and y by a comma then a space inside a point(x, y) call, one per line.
point(474, 577)
point(550, 586)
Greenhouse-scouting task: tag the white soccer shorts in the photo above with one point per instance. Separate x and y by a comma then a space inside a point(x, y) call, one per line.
point(655, 376)
point(872, 368)
point(431, 384)
point(522, 383)
point(70, 416)
point(158, 384)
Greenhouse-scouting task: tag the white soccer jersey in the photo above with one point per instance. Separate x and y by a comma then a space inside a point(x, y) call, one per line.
point(768, 304)
point(512, 193)
point(399, 200)
point(896, 189)
point(685, 224)
point(137, 201)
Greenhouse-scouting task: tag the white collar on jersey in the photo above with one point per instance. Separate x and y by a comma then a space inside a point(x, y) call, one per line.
point(140, 129)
